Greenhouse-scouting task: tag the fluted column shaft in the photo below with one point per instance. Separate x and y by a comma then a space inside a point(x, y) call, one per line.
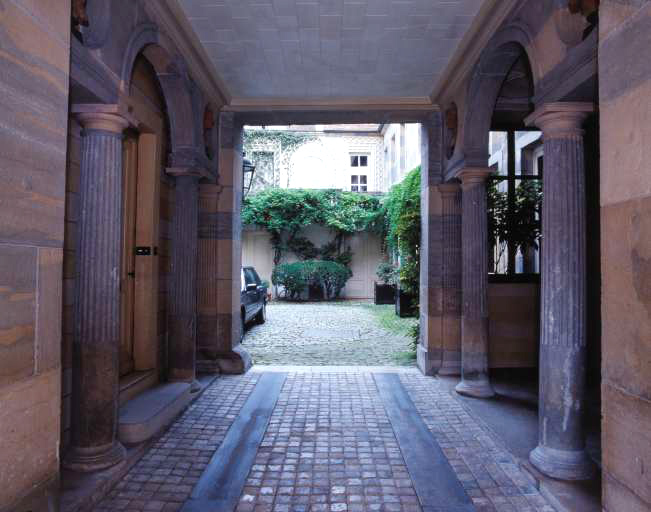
point(474, 316)
point(183, 284)
point(451, 270)
point(97, 296)
point(560, 452)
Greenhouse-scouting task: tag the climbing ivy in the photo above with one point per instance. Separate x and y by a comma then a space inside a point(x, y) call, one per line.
point(402, 206)
point(268, 148)
point(288, 141)
point(284, 213)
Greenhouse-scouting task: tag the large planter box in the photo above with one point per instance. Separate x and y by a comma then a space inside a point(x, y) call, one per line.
point(384, 293)
point(405, 304)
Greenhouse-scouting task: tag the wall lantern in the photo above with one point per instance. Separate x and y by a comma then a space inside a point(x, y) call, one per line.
point(248, 170)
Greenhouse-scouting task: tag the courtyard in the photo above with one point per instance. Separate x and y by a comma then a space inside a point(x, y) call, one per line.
point(331, 333)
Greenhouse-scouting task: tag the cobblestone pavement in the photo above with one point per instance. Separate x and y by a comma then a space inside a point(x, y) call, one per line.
point(329, 446)
point(325, 334)
point(164, 478)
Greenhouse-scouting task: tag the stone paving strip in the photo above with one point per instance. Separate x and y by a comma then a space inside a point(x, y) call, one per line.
point(488, 472)
point(164, 478)
point(221, 484)
point(323, 334)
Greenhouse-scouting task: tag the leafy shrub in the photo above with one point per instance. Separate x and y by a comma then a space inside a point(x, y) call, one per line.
point(296, 277)
point(292, 277)
point(414, 334)
point(386, 273)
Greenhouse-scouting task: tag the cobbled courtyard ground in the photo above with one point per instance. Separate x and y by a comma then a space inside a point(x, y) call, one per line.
point(339, 333)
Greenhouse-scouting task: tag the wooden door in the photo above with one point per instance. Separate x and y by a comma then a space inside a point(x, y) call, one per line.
point(128, 267)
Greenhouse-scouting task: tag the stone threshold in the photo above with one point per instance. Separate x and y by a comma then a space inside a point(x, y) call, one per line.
point(151, 411)
point(134, 383)
point(566, 496)
point(80, 492)
point(261, 368)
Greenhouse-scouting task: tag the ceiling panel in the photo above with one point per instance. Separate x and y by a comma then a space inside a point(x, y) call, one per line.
point(330, 48)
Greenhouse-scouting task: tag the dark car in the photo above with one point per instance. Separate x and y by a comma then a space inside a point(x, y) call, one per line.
point(254, 298)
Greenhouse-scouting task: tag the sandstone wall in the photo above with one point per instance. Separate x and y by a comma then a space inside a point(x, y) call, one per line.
point(34, 37)
point(625, 116)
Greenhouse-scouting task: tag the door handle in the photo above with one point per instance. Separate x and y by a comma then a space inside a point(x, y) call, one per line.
point(131, 274)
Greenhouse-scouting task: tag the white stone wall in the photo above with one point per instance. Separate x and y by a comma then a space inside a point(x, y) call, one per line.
point(401, 152)
point(325, 162)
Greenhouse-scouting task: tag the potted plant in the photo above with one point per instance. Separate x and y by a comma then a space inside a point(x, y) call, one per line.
point(407, 289)
point(385, 290)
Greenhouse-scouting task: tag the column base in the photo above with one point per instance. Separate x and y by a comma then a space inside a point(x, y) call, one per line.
point(562, 464)
point(475, 388)
point(428, 361)
point(235, 362)
point(86, 460)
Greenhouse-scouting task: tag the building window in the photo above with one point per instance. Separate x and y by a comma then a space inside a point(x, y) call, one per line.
point(359, 160)
point(358, 183)
point(358, 172)
point(515, 202)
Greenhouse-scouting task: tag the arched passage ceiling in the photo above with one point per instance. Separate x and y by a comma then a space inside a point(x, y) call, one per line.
point(392, 50)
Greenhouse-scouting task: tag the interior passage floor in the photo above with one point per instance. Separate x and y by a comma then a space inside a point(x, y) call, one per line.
point(356, 439)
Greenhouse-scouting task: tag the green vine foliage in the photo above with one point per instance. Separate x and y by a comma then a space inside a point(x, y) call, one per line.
point(283, 213)
point(520, 223)
point(402, 206)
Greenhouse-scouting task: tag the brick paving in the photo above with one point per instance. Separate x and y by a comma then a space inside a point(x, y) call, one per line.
point(164, 478)
point(329, 447)
point(488, 472)
point(326, 334)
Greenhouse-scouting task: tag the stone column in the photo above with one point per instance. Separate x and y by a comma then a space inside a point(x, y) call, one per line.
point(429, 348)
point(451, 270)
point(561, 448)
point(474, 319)
point(97, 296)
point(182, 316)
point(220, 258)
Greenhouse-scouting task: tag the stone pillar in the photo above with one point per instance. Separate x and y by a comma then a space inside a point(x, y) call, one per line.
point(220, 258)
point(97, 296)
point(474, 319)
point(429, 348)
point(451, 270)
point(561, 448)
point(182, 316)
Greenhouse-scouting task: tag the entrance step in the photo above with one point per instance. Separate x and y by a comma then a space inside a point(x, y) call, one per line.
point(148, 413)
point(132, 384)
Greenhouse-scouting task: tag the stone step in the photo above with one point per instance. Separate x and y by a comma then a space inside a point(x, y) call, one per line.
point(151, 411)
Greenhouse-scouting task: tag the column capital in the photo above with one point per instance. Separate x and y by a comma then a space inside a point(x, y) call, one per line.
point(106, 118)
point(470, 176)
point(560, 120)
point(451, 188)
point(196, 172)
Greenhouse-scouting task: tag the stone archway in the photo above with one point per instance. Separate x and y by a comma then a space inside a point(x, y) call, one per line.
point(496, 61)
